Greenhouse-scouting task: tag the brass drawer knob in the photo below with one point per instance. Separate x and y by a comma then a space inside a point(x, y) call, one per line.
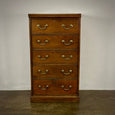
point(67, 28)
point(43, 73)
point(66, 73)
point(42, 44)
point(63, 56)
point(62, 86)
point(67, 44)
point(42, 28)
point(46, 56)
point(66, 58)
point(43, 58)
point(66, 89)
point(39, 86)
point(43, 88)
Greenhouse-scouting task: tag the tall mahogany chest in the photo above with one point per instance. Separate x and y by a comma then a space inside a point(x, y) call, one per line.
point(55, 57)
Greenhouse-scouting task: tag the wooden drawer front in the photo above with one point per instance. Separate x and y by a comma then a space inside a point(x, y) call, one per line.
point(59, 41)
point(55, 56)
point(55, 72)
point(54, 87)
point(55, 25)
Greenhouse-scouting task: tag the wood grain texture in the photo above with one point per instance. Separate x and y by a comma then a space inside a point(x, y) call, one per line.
point(55, 42)
point(55, 72)
point(92, 102)
point(54, 25)
point(54, 87)
point(53, 15)
point(55, 57)
point(30, 38)
point(58, 99)
point(79, 55)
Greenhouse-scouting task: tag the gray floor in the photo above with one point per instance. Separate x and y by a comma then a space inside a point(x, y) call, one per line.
point(91, 103)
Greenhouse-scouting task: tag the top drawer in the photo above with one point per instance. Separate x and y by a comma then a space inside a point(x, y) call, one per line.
point(55, 25)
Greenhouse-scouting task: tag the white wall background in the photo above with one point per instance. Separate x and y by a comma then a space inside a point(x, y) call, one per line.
point(97, 41)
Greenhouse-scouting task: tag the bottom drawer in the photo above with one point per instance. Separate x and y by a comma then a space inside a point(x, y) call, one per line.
point(54, 87)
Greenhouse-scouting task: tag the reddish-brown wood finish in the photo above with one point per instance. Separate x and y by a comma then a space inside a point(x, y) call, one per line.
point(53, 69)
point(54, 87)
point(55, 42)
point(30, 36)
point(55, 64)
point(55, 25)
point(79, 56)
point(55, 57)
point(58, 99)
point(54, 15)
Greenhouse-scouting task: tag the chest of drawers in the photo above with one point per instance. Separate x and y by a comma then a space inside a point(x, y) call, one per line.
point(55, 57)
